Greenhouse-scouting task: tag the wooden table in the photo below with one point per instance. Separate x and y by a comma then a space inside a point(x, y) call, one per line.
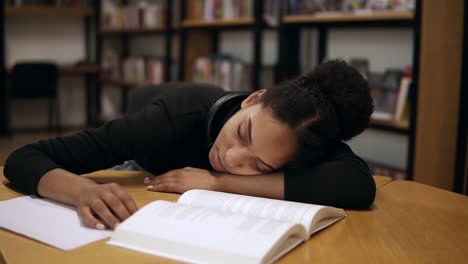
point(380, 181)
point(409, 223)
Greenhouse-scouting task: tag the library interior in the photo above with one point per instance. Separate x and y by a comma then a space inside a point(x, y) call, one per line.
point(265, 100)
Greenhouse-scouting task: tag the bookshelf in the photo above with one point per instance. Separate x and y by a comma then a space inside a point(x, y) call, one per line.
point(218, 23)
point(289, 43)
point(124, 36)
point(88, 69)
point(340, 17)
point(438, 110)
point(43, 10)
point(117, 31)
point(203, 36)
point(290, 27)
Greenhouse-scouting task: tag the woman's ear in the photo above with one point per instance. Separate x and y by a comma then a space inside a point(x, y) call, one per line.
point(253, 98)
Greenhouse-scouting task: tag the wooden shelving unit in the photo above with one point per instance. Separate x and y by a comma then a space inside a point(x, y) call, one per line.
point(345, 17)
point(290, 46)
point(116, 31)
point(124, 36)
point(194, 23)
point(35, 10)
point(203, 37)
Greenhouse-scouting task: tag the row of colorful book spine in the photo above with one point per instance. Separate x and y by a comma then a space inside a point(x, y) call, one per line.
point(224, 71)
point(143, 14)
point(222, 9)
point(150, 70)
point(299, 7)
point(230, 73)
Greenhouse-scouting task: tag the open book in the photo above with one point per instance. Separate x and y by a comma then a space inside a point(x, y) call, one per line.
point(214, 227)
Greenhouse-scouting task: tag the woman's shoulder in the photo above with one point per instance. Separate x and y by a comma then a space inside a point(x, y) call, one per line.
point(343, 152)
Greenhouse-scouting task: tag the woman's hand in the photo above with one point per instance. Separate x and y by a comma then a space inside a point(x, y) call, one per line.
point(182, 180)
point(104, 205)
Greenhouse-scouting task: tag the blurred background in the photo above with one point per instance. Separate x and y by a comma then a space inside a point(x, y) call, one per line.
point(67, 65)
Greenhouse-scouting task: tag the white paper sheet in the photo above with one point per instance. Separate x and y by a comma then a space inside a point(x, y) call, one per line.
point(52, 223)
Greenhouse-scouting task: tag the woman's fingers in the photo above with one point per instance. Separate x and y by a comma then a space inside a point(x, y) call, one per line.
point(100, 208)
point(167, 176)
point(88, 218)
point(125, 198)
point(115, 205)
point(105, 204)
point(147, 180)
point(166, 187)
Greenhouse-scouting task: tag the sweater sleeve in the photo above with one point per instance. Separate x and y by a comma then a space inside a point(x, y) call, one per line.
point(149, 131)
point(343, 180)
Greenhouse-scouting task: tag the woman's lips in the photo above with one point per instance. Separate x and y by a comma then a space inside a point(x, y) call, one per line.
point(218, 162)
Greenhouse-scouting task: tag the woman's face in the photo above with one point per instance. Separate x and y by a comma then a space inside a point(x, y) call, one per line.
point(253, 141)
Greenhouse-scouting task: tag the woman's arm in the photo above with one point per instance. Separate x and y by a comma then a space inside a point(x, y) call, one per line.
point(181, 180)
point(267, 185)
point(344, 181)
point(339, 183)
point(139, 135)
point(50, 168)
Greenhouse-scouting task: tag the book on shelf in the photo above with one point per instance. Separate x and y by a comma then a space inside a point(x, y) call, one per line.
point(148, 69)
point(390, 92)
point(223, 70)
point(133, 69)
point(138, 69)
point(213, 227)
point(142, 15)
point(176, 13)
point(302, 7)
point(271, 12)
point(110, 63)
point(221, 9)
point(155, 70)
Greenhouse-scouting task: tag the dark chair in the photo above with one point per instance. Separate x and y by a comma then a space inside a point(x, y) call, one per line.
point(37, 80)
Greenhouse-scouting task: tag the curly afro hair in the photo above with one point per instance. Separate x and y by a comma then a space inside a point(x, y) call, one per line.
point(325, 106)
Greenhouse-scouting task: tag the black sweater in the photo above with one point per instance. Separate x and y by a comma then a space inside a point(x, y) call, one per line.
point(171, 133)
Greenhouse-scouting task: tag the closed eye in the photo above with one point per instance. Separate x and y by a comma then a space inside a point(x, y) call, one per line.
point(260, 169)
point(246, 140)
point(239, 135)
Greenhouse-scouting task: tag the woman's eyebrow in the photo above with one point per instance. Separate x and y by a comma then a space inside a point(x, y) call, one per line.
point(250, 142)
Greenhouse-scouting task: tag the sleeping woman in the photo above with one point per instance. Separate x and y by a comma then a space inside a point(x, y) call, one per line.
point(286, 142)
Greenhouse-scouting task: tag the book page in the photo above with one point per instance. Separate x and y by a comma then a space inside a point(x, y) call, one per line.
point(47, 222)
point(198, 234)
point(294, 212)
